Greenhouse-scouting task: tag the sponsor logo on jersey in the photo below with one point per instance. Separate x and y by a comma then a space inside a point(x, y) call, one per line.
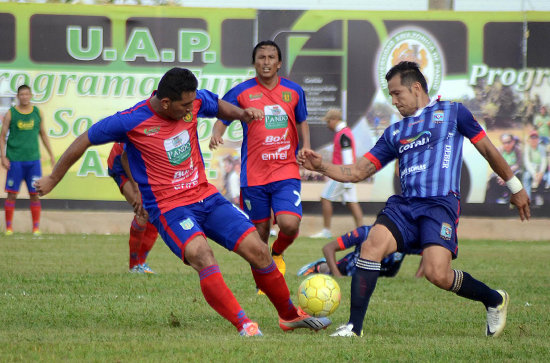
point(275, 117)
point(255, 96)
point(25, 125)
point(188, 117)
point(287, 96)
point(446, 231)
point(413, 169)
point(275, 140)
point(416, 45)
point(187, 224)
point(447, 156)
point(151, 131)
point(280, 154)
point(421, 139)
point(178, 148)
point(395, 132)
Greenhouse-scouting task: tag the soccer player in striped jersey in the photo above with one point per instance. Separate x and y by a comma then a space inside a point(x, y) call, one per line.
point(165, 160)
point(428, 145)
point(22, 159)
point(270, 175)
point(143, 234)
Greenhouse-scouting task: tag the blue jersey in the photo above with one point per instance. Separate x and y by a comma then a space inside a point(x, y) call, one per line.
point(428, 146)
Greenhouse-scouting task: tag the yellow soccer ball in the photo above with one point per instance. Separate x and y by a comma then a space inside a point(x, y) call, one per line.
point(319, 295)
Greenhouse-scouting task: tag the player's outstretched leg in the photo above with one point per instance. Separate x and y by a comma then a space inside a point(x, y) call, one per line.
point(496, 316)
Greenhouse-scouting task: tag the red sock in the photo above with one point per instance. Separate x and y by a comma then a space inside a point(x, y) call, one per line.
point(270, 281)
point(282, 242)
point(9, 208)
point(147, 242)
point(136, 235)
point(36, 208)
point(220, 298)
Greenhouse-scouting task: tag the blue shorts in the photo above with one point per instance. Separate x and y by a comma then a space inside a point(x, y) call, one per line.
point(30, 171)
point(213, 217)
point(419, 222)
point(282, 196)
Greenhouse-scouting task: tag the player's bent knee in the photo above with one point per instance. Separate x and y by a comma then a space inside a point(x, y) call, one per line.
point(199, 255)
point(254, 251)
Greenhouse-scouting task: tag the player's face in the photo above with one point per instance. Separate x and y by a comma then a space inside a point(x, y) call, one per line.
point(405, 99)
point(24, 96)
point(177, 110)
point(267, 62)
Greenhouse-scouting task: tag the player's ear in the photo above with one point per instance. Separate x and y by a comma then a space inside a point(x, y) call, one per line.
point(165, 103)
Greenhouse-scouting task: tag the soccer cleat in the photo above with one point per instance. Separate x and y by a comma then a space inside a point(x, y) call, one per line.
point(280, 262)
point(36, 232)
point(311, 268)
point(145, 269)
point(496, 317)
point(325, 233)
point(135, 270)
point(304, 321)
point(345, 331)
point(250, 330)
point(9, 232)
point(273, 232)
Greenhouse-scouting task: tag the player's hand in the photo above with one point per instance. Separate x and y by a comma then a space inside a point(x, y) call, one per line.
point(303, 150)
point(310, 160)
point(44, 185)
point(251, 114)
point(215, 141)
point(522, 203)
point(6, 162)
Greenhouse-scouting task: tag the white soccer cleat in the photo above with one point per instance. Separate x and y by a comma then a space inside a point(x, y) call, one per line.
point(325, 233)
point(496, 317)
point(250, 330)
point(345, 331)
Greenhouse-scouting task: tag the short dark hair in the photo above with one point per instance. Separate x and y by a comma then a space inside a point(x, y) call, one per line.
point(22, 87)
point(265, 43)
point(175, 82)
point(410, 73)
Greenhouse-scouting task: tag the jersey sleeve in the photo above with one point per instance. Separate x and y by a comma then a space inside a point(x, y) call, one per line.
point(209, 103)
point(231, 97)
point(467, 125)
point(111, 128)
point(300, 111)
point(382, 152)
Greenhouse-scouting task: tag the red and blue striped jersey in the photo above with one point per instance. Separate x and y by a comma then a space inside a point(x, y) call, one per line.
point(429, 148)
point(270, 146)
point(164, 155)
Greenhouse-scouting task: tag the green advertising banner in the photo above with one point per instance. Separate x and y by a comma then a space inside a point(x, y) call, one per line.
point(85, 62)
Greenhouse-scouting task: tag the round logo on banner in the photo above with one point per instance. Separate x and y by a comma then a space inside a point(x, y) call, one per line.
point(413, 45)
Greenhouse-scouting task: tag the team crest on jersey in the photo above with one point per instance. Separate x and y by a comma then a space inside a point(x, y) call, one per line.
point(438, 116)
point(25, 125)
point(188, 117)
point(416, 45)
point(287, 96)
point(255, 96)
point(446, 231)
point(187, 224)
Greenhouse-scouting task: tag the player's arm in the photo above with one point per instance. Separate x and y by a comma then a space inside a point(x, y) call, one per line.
point(45, 184)
point(3, 134)
point(136, 200)
point(519, 196)
point(303, 134)
point(217, 135)
point(228, 111)
point(46, 139)
point(329, 250)
point(360, 170)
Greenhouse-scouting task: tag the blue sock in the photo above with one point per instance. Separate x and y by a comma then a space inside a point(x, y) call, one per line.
point(466, 286)
point(363, 283)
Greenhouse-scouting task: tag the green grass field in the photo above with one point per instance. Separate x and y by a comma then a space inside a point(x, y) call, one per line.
point(69, 298)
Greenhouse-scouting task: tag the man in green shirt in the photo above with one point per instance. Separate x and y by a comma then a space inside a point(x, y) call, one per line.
point(22, 154)
point(542, 125)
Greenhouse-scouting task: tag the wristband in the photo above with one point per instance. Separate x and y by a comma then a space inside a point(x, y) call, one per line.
point(514, 185)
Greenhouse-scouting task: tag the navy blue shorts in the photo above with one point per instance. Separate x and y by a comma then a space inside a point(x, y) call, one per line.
point(30, 171)
point(214, 217)
point(418, 222)
point(282, 196)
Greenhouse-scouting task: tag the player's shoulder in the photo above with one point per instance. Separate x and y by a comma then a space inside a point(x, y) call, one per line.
point(243, 86)
point(285, 82)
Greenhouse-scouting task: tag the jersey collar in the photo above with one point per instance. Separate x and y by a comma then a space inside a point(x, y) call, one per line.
point(341, 125)
point(432, 102)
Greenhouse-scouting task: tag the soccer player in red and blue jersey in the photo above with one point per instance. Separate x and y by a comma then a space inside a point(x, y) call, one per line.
point(428, 144)
point(166, 162)
point(143, 234)
point(270, 175)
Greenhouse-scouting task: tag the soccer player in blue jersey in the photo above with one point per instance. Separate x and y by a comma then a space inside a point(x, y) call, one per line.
point(428, 145)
